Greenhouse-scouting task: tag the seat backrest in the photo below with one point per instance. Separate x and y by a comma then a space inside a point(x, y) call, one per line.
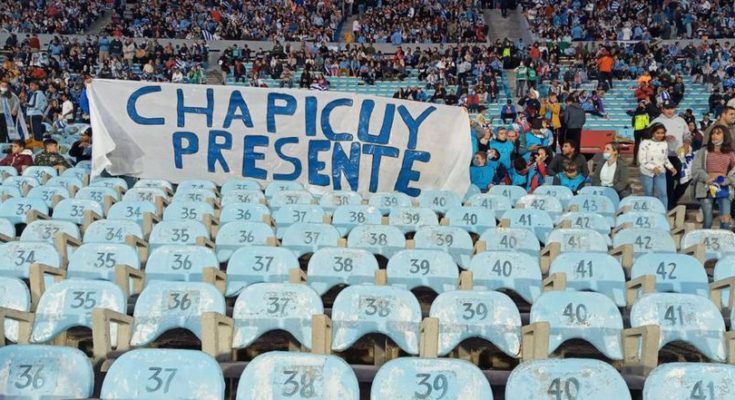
point(264, 307)
point(177, 232)
point(243, 196)
point(303, 238)
point(717, 242)
point(7, 228)
point(330, 267)
point(511, 239)
point(593, 204)
point(425, 378)
point(409, 219)
point(98, 260)
point(473, 219)
point(256, 264)
point(72, 210)
point(76, 172)
point(331, 200)
point(14, 295)
point(8, 170)
point(581, 315)
point(346, 217)
point(179, 263)
point(46, 230)
point(234, 235)
point(439, 200)
point(645, 240)
point(154, 183)
point(456, 241)
point(297, 213)
point(387, 201)
point(489, 315)
point(587, 220)
point(679, 273)
point(510, 192)
point(378, 239)
point(10, 191)
point(131, 210)
point(149, 194)
point(39, 172)
point(430, 268)
point(689, 380)
point(725, 268)
point(643, 219)
point(112, 183)
point(43, 372)
point(111, 231)
point(69, 303)
point(571, 378)
point(360, 310)
point(495, 203)
point(537, 221)
point(290, 197)
point(187, 210)
point(240, 184)
point(164, 374)
point(21, 181)
point(551, 205)
point(509, 270)
point(16, 209)
point(608, 192)
point(47, 194)
point(67, 182)
point(561, 193)
point(592, 271)
point(582, 240)
point(684, 317)
point(97, 193)
point(16, 257)
point(642, 203)
point(196, 184)
point(163, 306)
point(298, 376)
point(280, 186)
point(244, 212)
point(191, 194)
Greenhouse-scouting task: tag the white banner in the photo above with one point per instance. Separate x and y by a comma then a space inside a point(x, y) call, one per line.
point(328, 140)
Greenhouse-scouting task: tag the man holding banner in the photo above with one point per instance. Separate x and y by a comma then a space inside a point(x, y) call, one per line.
point(9, 110)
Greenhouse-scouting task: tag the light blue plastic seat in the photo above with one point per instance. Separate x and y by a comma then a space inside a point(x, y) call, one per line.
point(196, 184)
point(290, 198)
point(512, 193)
point(99, 194)
point(332, 200)
point(641, 204)
point(244, 212)
point(330, 267)
point(488, 315)
point(16, 209)
point(561, 193)
point(240, 184)
point(678, 273)
point(98, 261)
point(154, 183)
point(235, 235)
point(73, 210)
point(163, 374)
point(16, 258)
point(537, 221)
point(112, 183)
point(168, 305)
point(586, 220)
point(645, 241)
point(179, 263)
point(608, 192)
point(579, 240)
point(71, 183)
point(39, 172)
point(391, 311)
point(591, 271)
point(549, 204)
point(47, 230)
point(47, 194)
point(439, 200)
point(69, 303)
point(112, 231)
point(79, 173)
point(290, 375)
point(496, 203)
point(150, 194)
point(435, 269)
point(288, 215)
point(188, 210)
point(387, 201)
point(409, 219)
point(472, 219)
point(177, 232)
point(21, 182)
point(509, 239)
point(426, 378)
point(14, 294)
point(571, 378)
point(518, 272)
point(455, 241)
point(717, 242)
point(644, 219)
point(7, 228)
point(10, 191)
point(471, 191)
point(7, 170)
point(689, 380)
point(303, 238)
point(281, 186)
point(131, 210)
point(382, 240)
point(725, 268)
point(195, 195)
point(242, 196)
point(36, 372)
point(600, 205)
point(257, 264)
point(590, 316)
point(683, 317)
point(346, 217)
point(264, 307)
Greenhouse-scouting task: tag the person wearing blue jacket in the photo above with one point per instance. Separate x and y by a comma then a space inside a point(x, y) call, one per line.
point(484, 172)
point(504, 147)
point(536, 138)
point(570, 177)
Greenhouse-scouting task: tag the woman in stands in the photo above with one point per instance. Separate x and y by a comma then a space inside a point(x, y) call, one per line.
point(713, 174)
point(654, 162)
point(613, 171)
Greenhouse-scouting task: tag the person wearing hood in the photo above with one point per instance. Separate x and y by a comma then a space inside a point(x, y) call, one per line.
point(574, 119)
point(503, 146)
point(9, 106)
point(568, 154)
point(19, 158)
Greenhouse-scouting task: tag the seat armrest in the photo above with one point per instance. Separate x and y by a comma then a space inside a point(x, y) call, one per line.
point(429, 338)
point(102, 320)
point(697, 251)
point(25, 324)
point(206, 242)
point(465, 280)
point(140, 244)
point(217, 331)
point(149, 219)
point(625, 253)
point(677, 216)
point(535, 342)
point(296, 275)
point(321, 334)
point(716, 289)
point(555, 281)
point(35, 215)
point(216, 277)
point(89, 217)
point(547, 256)
point(625, 225)
point(124, 274)
point(640, 349)
point(62, 242)
point(38, 274)
point(643, 284)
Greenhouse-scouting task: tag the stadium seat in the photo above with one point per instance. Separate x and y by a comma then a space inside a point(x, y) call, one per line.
point(240, 184)
point(679, 317)
point(196, 184)
point(558, 316)
point(64, 235)
point(79, 212)
point(430, 378)
point(439, 200)
point(455, 241)
point(677, 273)
point(689, 380)
point(234, 235)
point(7, 230)
point(290, 198)
point(281, 186)
point(16, 210)
point(717, 242)
point(409, 219)
point(518, 272)
point(69, 303)
point(264, 307)
point(45, 372)
point(16, 258)
point(142, 213)
point(629, 244)
point(7, 170)
point(585, 220)
point(179, 232)
point(14, 295)
point(242, 196)
point(537, 221)
point(24, 183)
point(723, 282)
point(189, 211)
point(118, 184)
point(194, 195)
point(435, 269)
point(302, 238)
point(154, 195)
point(572, 240)
point(79, 173)
point(107, 261)
point(381, 240)
point(330, 267)
point(641, 204)
point(70, 183)
point(103, 195)
point(391, 311)
point(512, 193)
point(508, 239)
point(184, 263)
point(471, 191)
point(168, 305)
point(162, 184)
point(551, 205)
point(41, 173)
point(257, 264)
point(488, 315)
point(643, 219)
point(561, 193)
point(346, 217)
point(588, 271)
point(386, 202)
point(572, 378)
point(9, 191)
point(298, 376)
point(332, 200)
point(112, 231)
point(473, 219)
point(288, 215)
point(608, 192)
point(593, 204)
point(245, 213)
point(159, 374)
point(496, 203)
point(49, 194)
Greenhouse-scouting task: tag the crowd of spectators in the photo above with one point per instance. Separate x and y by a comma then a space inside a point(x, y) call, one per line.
point(49, 16)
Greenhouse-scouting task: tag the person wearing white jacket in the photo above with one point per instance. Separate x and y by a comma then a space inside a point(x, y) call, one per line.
point(654, 161)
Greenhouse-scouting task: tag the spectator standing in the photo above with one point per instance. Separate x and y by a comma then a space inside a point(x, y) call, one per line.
point(713, 174)
point(36, 108)
point(605, 65)
point(521, 78)
point(676, 128)
point(9, 107)
point(641, 120)
point(574, 119)
point(654, 162)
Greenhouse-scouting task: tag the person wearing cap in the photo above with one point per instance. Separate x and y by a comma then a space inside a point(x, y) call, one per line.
point(653, 159)
point(727, 119)
point(676, 128)
point(50, 156)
